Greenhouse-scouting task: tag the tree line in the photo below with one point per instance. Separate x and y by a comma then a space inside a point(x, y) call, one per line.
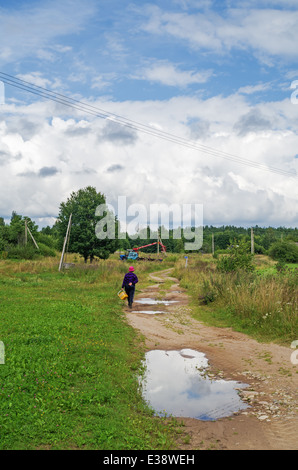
point(15, 243)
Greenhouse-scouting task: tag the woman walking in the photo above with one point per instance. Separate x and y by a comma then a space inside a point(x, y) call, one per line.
point(129, 282)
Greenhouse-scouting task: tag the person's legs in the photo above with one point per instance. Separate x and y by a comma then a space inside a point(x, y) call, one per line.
point(130, 290)
point(132, 293)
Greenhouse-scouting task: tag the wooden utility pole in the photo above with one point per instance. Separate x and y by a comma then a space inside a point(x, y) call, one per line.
point(65, 241)
point(252, 244)
point(27, 229)
point(213, 243)
point(26, 233)
point(32, 238)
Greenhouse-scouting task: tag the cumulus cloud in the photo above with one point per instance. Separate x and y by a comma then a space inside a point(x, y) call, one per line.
point(253, 121)
point(117, 134)
point(67, 155)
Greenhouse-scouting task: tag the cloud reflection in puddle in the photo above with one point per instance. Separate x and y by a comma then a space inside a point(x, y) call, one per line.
point(175, 383)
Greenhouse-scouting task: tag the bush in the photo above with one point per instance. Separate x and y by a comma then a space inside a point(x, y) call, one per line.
point(48, 240)
point(237, 259)
point(21, 252)
point(28, 252)
point(45, 250)
point(285, 251)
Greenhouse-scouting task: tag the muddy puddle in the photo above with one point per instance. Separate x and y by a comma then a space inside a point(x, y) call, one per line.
point(176, 383)
point(149, 301)
point(154, 303)
point(150, 312)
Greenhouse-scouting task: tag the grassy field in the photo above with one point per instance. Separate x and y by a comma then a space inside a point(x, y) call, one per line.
point(72, 363)
point(262, 303)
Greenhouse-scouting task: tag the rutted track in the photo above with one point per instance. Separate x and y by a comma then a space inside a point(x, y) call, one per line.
point(271, 421)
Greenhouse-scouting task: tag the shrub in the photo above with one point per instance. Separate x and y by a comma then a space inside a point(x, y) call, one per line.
point(45, 250)
point(48, 240)
point(285, 251)
point(21, 252)
point(237, 259)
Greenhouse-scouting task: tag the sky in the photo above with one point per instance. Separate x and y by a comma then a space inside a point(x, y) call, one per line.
point(194, 102)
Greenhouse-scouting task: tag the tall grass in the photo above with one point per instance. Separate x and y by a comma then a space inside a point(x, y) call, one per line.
point(263, 303)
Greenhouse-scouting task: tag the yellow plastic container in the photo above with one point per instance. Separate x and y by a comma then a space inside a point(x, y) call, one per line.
point(123, 295)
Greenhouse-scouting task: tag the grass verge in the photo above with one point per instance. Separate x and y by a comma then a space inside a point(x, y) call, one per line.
point(72, 363)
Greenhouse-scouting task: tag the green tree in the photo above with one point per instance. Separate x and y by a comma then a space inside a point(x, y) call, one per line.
point(16, 229)
point(84, 237)
point(222, 240)
point(2, 234)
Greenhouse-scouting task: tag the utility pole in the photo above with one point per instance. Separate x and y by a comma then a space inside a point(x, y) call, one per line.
point(213, 243)
point(26, 233)
point(252, 245)
point(65, 240)
point(32, 238)
point(27, 229)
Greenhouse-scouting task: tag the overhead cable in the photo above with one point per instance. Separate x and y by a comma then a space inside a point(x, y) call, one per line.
point(136, 126)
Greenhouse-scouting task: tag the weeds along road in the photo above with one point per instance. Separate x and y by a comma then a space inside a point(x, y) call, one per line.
point(271, 421)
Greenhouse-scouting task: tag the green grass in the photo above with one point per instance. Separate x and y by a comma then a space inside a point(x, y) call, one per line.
point(262, 304)
point(72, 363)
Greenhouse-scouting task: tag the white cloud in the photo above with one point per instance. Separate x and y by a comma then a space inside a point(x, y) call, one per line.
point(31, 30)
point(169, 74)
point(250, 89)
point(35, 78)
point(68, 154)
point(103, 81)
point(266, 31)
point(48, 150)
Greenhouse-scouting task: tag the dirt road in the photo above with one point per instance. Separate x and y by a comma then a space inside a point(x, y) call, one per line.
point(271, 421)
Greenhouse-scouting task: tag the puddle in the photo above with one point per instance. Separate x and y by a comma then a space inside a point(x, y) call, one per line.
point(149, 312)
point(175, 383)
point(149, 301)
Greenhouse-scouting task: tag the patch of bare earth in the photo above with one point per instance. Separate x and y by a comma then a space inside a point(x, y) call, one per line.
point(270, 422)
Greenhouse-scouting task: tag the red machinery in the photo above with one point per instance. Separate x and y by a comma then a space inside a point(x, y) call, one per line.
point(132, 253)
point(163, 248)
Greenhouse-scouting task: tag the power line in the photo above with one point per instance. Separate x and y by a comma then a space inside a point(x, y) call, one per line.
point(137, 126)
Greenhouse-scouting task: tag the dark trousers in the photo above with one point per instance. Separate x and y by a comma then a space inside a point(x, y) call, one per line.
point(130, 290)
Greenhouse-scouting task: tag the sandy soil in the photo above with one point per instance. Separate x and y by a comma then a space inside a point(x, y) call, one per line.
point(271, 421)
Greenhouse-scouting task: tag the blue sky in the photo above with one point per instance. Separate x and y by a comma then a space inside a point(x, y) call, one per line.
point(216, 73)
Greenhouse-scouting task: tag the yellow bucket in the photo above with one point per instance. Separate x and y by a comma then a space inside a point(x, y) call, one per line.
point(122, 295)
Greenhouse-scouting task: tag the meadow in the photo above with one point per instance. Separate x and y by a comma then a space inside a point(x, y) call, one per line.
point(262, 302)
point(72, 363)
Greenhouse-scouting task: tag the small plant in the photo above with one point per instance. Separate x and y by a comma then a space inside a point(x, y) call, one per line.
point(209, 293)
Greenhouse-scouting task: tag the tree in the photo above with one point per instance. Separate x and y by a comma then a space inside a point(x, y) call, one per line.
point(84, 239)
point(16, 229)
